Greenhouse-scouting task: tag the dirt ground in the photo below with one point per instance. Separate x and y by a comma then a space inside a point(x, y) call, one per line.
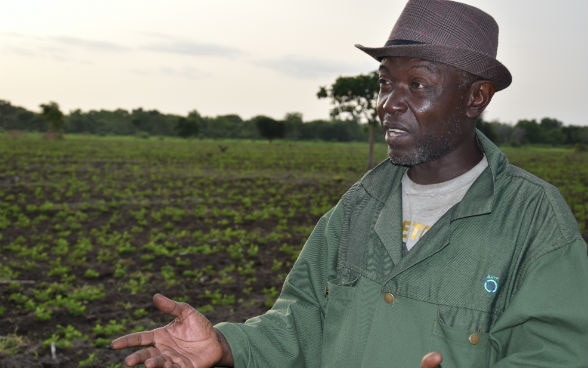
point(35, 355)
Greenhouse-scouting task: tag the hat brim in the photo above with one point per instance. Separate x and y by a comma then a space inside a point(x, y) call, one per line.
point(473, 62)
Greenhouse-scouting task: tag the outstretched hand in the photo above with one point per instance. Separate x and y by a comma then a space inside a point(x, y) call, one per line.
point(188, 341)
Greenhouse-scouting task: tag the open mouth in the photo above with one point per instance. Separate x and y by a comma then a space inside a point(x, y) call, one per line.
point(394, 132)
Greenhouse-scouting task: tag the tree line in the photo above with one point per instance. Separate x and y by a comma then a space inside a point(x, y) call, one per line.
point(146, 123)
point(547, 131)
point(352, 118)
point(139, 122)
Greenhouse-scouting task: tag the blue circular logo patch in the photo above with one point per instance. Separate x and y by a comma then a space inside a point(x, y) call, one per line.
point(491, 284)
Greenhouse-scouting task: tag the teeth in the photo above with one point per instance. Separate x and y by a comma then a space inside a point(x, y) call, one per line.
point(395, 132)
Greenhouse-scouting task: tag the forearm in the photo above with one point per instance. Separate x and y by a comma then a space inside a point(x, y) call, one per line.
point(274, 338)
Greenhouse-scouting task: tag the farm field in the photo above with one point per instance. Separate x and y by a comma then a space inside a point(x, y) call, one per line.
point(92, 227)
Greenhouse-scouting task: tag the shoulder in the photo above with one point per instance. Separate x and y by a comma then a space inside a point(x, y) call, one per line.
point(537, 204)
point(541, 200)
point(376, 183)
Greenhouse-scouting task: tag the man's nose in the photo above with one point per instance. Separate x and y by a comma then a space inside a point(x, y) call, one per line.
point(394, 101)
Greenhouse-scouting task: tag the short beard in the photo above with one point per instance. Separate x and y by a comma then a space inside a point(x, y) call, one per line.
point(429, 147)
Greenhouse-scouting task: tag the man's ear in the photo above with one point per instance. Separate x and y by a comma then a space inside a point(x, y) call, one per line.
point(480, 94)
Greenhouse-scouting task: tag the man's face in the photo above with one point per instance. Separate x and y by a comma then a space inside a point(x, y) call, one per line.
point(421, 108)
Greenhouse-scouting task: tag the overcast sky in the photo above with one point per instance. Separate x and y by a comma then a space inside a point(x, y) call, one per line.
point(262, 56)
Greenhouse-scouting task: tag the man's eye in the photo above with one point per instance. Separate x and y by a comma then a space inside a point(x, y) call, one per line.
point(417, 85)
point(384, 83)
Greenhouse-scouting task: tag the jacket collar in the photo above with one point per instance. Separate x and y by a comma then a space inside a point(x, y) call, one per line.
point(383, 183)
point(384, 180)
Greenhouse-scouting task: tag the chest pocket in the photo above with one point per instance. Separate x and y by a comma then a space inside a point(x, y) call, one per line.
point(461, 335)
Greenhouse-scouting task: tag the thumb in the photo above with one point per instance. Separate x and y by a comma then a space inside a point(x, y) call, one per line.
point(167, 305)
point(431, 360)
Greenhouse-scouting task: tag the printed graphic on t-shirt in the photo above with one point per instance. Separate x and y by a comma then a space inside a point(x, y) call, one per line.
point(412, 231)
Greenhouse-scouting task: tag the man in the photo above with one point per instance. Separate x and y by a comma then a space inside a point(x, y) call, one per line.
point(446, 249)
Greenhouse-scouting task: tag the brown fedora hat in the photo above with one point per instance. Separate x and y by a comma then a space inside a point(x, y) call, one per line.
point(447, 32)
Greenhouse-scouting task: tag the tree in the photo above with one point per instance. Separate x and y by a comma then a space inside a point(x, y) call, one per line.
point(293, 117)
point(527, 132)
point(79, 122)
point(294, 123)
point(186, 128)
point(356, 97)
point(552, 131)
point(54, 117)
point(269, 128)
point(189, 126)
point(5, 109)
point(575, 135)
point(152, 122)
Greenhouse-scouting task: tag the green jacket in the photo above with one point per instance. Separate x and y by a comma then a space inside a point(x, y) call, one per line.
point(501, 280)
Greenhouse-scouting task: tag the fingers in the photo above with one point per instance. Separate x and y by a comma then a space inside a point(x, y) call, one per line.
point(431, 360)
point(144, 338)
point(142, 356)
point(151, 358)
point(168, 306)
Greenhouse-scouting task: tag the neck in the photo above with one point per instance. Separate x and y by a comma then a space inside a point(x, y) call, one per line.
point(447, 167)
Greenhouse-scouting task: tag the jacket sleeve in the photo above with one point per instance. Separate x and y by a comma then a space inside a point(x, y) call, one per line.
point(546, 322)
point(290, 333)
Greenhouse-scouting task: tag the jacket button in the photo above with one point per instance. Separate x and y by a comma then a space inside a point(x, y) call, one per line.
point(389, 298)
point(474, 339)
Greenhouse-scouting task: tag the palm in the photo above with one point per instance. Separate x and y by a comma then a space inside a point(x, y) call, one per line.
point(188, 341)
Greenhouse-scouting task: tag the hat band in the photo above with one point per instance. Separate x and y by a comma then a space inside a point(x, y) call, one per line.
point(398, 42)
